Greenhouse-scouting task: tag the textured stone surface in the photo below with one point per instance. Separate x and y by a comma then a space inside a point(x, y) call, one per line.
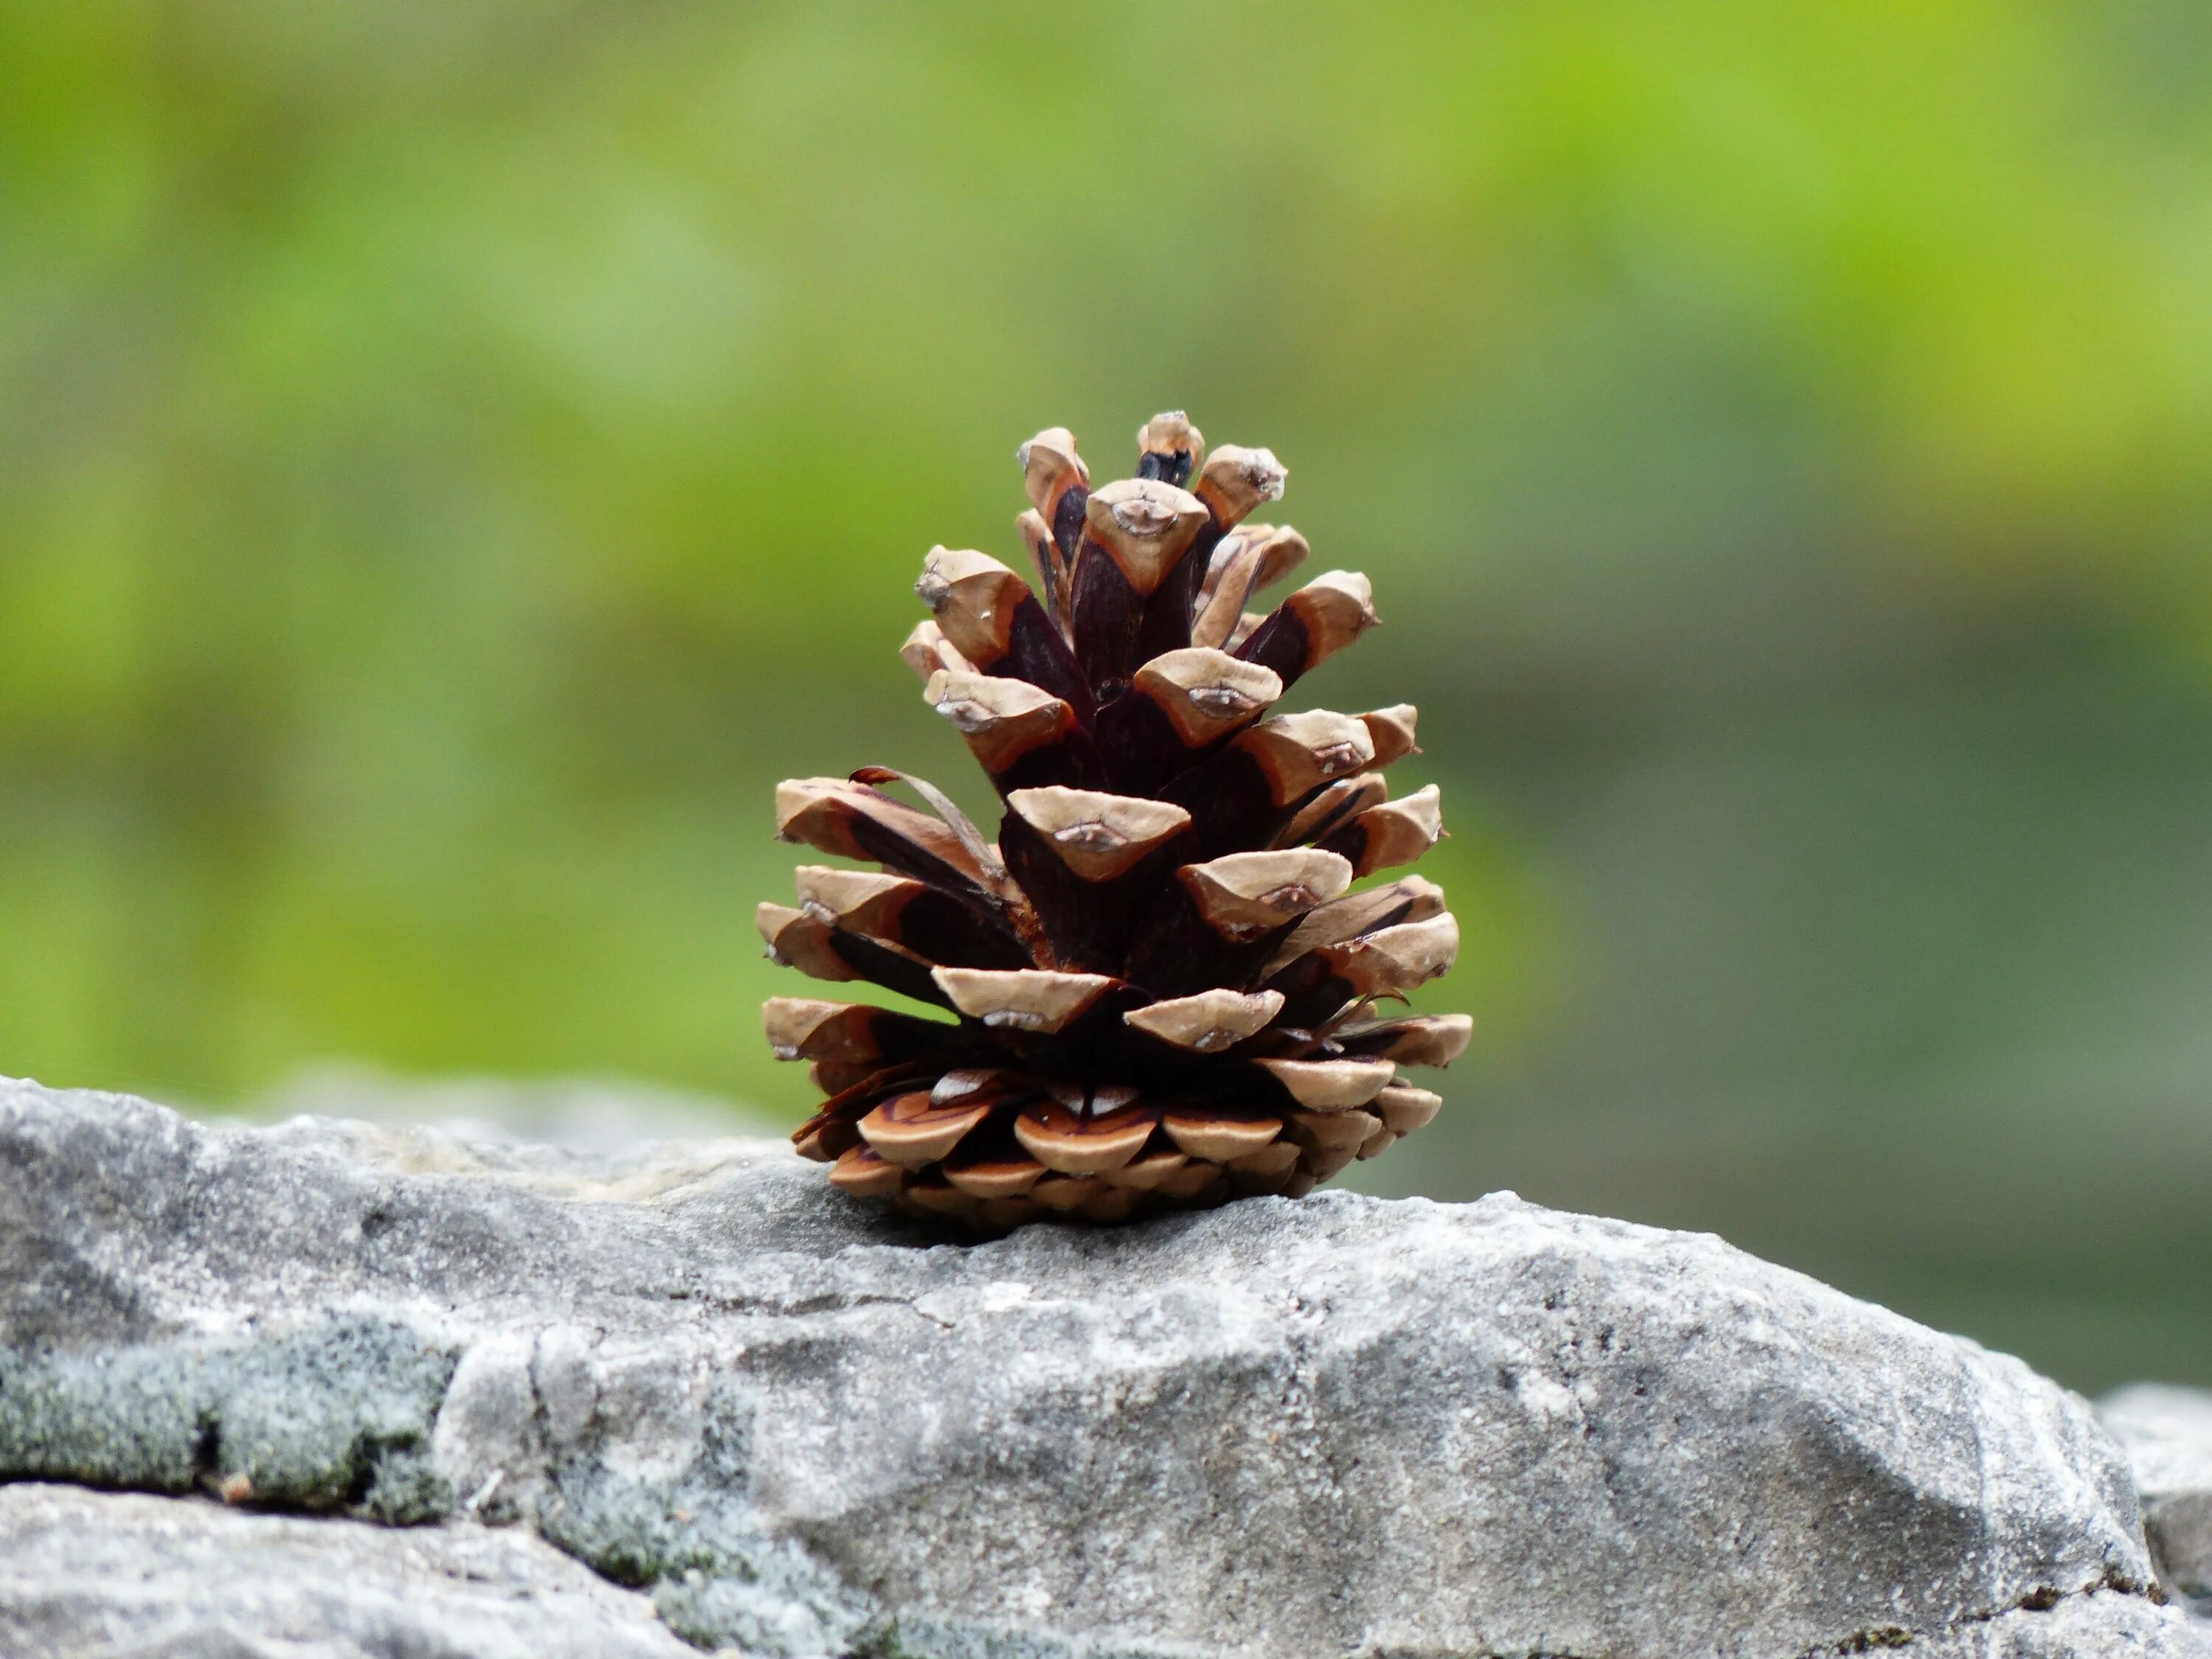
point(586, 1115)
point(85, 1572)
point(1334, 1426)
point(2167, 1434)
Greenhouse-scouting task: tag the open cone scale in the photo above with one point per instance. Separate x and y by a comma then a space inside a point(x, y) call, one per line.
point(1161, 985)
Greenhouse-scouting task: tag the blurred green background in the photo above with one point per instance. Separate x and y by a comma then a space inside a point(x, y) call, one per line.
point(454, 460)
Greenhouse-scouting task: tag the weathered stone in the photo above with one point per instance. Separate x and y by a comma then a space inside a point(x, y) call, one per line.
point(84, 1572)
point(586, 1115)
point(2103, 1625)
point(1338, 1425)
point(2167, 1435)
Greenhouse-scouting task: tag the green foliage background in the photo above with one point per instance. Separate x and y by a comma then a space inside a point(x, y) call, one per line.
point(454, 459)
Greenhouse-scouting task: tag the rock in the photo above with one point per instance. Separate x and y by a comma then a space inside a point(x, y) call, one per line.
point(800, 1427)
point(2167, 1434)
point(585, 1114)
point(187, 1576)
point(2100, 1625)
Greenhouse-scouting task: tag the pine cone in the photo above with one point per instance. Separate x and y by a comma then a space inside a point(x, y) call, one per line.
point(1164, 984)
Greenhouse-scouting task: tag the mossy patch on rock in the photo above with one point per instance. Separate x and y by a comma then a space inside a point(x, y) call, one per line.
point(338, 1414)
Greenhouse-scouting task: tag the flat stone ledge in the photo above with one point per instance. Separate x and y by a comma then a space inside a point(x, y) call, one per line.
point(87, 1572)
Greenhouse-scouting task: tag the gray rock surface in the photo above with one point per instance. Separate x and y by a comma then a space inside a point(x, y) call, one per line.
point(84, 1572)
point(2167, 1434)
point(588, 1114)
point(802, 1427)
